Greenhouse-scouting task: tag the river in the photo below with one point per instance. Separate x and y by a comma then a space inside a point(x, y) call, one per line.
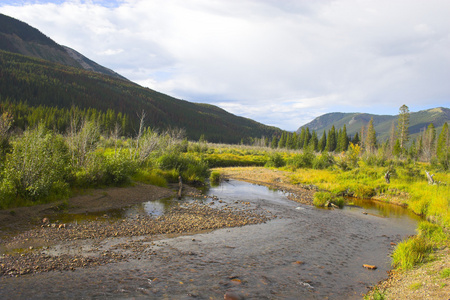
point(304, 253)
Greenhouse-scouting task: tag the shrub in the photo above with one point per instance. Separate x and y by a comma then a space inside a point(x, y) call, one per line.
point(150, 177)
point(275, 161)
point(323, 161)
point(411, 252)
point(215, 178)
point(190, 168)
point(38, 167)
point(105, 169)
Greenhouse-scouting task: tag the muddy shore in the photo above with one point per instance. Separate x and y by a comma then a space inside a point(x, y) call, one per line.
point(32, 251)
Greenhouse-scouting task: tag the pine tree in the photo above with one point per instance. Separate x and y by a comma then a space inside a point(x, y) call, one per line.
point(343, 139)
point(355, 139)
point(282, 141)
point(301, 140)
point(443, 147)
point(331, 140)
point(428, 142)
point(403, 125)
point(322, 142)
point(371, 137)
point(392, 139)
point(274, 142)
point(313, 141)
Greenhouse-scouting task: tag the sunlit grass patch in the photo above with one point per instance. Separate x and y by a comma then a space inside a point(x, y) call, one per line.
point(411, 252)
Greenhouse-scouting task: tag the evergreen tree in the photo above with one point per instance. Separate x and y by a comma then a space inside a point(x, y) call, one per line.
point(355, 140)
point(313, 141)
point(274, 143)
point(307, 137)
point(322, 142)
point(301, 140)
point(343, 139)
point(403, 125)
point(392, 139)
point(443, 147)
point(331, 140)
point(397, 150)
point(282, 141)
point(428, 142)
point(371, 137)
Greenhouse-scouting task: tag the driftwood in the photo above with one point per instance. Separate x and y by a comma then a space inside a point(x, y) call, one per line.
point(180, 183)
point(430, 177)
point(387, 177)
point(370, 267)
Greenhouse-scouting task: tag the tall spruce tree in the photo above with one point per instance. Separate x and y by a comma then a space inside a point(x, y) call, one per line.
point(343, 139)
point(282, 141)
point(331, 140)
point(371, 137)
point(443, 147)
point(322, 142)
point(313, 141)
point(428, 142)
point(403, 125)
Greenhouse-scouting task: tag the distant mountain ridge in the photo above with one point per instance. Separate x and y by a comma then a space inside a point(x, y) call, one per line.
point(37, 71)
point(354, 121)
point(18, 37)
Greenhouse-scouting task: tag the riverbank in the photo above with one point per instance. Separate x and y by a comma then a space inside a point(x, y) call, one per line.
point(423, 282)
point(46, 244)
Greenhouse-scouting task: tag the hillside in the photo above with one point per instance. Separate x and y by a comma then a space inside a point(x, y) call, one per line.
point(354, 121)
point(18, 37)
point(40, 82)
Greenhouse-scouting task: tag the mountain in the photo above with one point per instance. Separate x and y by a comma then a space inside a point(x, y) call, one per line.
point(382, 123)
point(18, 37)
point(38, 72)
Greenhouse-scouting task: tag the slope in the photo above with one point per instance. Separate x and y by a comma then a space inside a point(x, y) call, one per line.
point(40, 82)
point(18, 37)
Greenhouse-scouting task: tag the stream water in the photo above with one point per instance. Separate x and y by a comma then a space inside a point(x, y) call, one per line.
point(305, 253)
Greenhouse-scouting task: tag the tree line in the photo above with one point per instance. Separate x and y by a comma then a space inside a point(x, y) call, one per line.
point(428, 147)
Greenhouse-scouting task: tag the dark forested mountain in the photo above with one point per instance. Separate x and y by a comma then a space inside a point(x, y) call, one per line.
point(354, 121)
point(18, 37)
point(38, 82)
point(37, 72)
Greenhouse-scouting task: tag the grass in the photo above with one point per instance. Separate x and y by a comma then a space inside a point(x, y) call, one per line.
point(445, 273)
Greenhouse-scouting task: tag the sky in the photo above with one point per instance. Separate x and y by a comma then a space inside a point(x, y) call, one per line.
point(279, 62)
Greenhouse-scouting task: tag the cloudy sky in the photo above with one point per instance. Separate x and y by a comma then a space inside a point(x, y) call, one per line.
point(280, 62)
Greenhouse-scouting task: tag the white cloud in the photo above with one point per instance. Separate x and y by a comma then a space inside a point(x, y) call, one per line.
point(278, 62)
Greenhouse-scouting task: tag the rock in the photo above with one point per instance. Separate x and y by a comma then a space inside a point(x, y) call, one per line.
point(45, 221)
point(232, 296)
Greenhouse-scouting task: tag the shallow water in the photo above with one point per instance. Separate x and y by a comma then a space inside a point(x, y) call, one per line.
point(305, 253)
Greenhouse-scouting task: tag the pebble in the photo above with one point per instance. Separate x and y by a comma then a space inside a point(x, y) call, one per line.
point(183, 218)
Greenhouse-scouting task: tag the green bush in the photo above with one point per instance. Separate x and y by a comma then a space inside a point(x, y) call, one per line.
point(37, 169)
point(411, 252)
point(214, 178)
point(190, 168)
point(150, 177)
point(275, 161)
point(304, 160)
point(323, 161)
point(102, 170)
